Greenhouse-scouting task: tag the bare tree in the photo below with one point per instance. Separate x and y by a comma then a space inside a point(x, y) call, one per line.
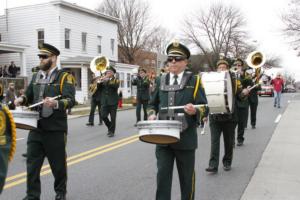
point(291, 19)
point(159, 40)
point(133, 31)
point(215, 31)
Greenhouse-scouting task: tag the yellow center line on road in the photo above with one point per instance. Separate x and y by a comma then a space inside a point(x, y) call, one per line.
point(72, 160)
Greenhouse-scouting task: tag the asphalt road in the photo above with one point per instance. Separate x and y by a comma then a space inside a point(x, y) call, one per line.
point(123, 168)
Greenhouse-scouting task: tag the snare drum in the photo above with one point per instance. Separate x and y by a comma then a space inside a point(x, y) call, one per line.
point(25, 119)
point(218, 90)
point(159, 131)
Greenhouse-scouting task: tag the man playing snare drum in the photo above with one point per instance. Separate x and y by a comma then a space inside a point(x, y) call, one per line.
point(49, 138)
point(177, 88)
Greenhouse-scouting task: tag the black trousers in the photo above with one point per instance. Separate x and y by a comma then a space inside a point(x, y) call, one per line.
point(139, 105)
point(53, 146)
point(112, 111)
point(95, 104)
point(253, 109)
point(242, 118)
point(216, 129)
point(185, 162)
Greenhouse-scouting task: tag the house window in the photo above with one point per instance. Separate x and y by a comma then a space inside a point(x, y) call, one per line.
point(41, 37)
point(128, 80)
point(83, 41)
point(121, 78)
point(67, 38)
point(112, 46)
point(99, 44)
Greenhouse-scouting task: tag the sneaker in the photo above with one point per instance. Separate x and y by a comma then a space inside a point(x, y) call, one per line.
point(89, 124)
point(239, 143)
point(227, 167)
point(212, 169)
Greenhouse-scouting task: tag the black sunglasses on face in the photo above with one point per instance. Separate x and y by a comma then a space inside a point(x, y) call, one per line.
point(176, 58)
point(43, 56)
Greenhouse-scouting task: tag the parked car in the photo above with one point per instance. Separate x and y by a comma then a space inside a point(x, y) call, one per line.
point(266, 90)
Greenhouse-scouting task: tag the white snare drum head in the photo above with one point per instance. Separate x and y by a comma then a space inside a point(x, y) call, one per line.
point(26, 120)
point(159, 131)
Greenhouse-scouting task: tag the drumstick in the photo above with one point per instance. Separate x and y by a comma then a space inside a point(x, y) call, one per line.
point(181, 107)
point(253, 87)
point(41, 102)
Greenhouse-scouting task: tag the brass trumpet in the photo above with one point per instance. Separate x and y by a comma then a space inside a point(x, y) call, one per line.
point(98, 66)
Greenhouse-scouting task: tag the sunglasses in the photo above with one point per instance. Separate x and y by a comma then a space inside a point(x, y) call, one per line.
point(43, 56)
point(176, 58)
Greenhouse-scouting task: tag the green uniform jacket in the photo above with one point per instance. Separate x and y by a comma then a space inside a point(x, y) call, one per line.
point(242, 102)
point(5, 145)
point(64, 86)
point(188, 138)
point(143, 85)
point(109, 92)
point(253, 98)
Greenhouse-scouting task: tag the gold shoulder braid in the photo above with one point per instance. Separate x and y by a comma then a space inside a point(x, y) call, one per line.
point(13, 133)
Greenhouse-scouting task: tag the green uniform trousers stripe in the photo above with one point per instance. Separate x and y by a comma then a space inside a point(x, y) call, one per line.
point(185, 161)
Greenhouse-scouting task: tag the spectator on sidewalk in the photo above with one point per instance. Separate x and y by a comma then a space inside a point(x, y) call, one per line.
point(13, 69)
point(10, 96)
point(120, 102)
point(278, 85)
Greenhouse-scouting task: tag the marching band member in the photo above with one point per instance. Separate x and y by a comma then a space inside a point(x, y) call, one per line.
point(109, 100)
point(95, 102)
point(7, 140)
point(176, 88)
point(223, 123)
point(143, 94)
point(242, 103)
point(49, 138)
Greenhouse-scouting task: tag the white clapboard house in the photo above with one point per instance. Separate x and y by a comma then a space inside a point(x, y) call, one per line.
point(79, 33)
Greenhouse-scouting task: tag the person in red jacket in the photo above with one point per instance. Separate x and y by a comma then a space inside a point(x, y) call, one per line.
point(277, 85)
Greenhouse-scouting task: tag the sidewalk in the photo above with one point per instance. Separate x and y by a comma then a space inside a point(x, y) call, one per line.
point(277, 176)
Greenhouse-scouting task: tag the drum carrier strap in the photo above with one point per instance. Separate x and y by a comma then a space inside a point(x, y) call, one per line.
point(39, 80)
point(172, 89)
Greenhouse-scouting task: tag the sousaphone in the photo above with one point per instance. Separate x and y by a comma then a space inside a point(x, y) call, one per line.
point(98, 66)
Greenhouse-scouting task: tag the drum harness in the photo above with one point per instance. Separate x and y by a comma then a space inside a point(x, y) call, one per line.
point(172, 89)
point(45, 111)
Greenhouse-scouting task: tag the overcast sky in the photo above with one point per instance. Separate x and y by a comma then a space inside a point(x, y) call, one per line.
point(263, 21)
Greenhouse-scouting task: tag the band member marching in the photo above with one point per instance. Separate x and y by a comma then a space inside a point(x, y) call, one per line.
point(224, 123)
point(177, 88)
point(49, 138)
point(143, 94)
point(109, 99)
point(7, 140)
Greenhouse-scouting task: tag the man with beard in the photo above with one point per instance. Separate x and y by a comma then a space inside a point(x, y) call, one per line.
point(49, 138)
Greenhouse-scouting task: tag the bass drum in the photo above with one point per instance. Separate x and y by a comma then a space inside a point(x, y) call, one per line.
point(159, 131)
point(218, 90)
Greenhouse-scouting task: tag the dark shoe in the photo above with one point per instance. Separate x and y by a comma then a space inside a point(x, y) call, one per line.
point(135, 125)
point(24, 155)
point(239, 143)
point(227, 167)
point(25, 198)
point(253, 127)
point(89, 124)
point(100, 123)
point(60, 197)
point(212, 169)
point(111, 134)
